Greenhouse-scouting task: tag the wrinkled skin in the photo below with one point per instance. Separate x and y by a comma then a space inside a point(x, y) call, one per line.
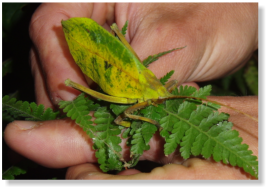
point(220, 38)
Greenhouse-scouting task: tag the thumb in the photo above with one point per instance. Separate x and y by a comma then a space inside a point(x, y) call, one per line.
point(55, 144)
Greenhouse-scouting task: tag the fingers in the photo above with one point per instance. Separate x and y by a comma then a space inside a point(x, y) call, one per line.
point(211, 51)
point(62, 143)
point(192, 169)
point(246, 126)
point(52, 52)
point(41, 93)
point(51, 49)
point(55, 144)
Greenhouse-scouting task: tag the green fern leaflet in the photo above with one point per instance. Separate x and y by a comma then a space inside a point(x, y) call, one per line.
point(13, 109)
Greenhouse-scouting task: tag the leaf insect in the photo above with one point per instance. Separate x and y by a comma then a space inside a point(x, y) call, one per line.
point(116, 68)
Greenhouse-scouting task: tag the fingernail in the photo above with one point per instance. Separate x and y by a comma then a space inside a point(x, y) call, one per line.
point(27, 125)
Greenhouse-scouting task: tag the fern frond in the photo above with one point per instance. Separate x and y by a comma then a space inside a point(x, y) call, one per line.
point(138, 141)
point(198, 130)
point(104, 133)
point(145, 131)
point(7, 66)
point(31, 112)
point(184, 91)
point(203, 92)
point(78, 110)
point(6, 117)
point(124, 28)
point(117, 109)
point(237, 153)
point(13, 171)
point(107, 142)
point(164, 79)
point(155, 57)
point(131, 130)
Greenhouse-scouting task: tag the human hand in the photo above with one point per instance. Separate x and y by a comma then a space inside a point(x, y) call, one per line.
point(152, 29)
point(219, 39)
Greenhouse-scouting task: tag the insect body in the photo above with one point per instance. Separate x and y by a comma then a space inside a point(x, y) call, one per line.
point(109, 62)
point(114, 66)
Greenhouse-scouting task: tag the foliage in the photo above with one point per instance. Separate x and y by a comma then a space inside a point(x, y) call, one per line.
point(104, 134)
point(194, 127)
point(164, 79)
point(124, 28)
point(200, 131)
point(155, 57)
point(7, 67)
point(12, 13)
point(16, 73)
point(13, 109)
point(13, 171)
point(251, 77)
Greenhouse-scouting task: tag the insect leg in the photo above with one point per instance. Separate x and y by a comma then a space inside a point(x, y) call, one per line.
point(128, 113)
point(98, 95)
point(170, 86)
point(115, 28)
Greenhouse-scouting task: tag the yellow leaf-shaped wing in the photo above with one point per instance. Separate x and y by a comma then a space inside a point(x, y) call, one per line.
point(105, 59)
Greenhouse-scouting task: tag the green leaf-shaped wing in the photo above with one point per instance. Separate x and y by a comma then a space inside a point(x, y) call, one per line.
point(108, 62)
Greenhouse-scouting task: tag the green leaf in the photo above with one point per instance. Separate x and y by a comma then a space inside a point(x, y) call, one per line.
point(124, 28)
point(31, 112)
point(54, 178)
point(13, 171)
point(234, 152)
point(226, 82)
point(200, 130)
point(203, 92)
point(118, 109)
point(78, 110)
point(251, 78)
point(153, 58)
point(138, 143)
point(12, 13)
point(91, 105)
point(107, 142)
point(175, 137)
point(148, 131)
point(164, 79)
point(167, 123)
point(104, 134)
point(240, 81)
point(126, 133)
point(7, 67)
